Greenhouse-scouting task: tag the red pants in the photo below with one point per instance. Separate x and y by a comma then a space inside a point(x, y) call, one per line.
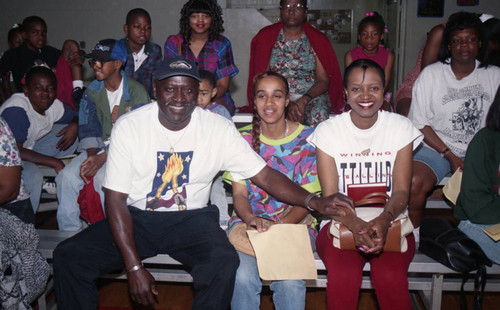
point(345, 271)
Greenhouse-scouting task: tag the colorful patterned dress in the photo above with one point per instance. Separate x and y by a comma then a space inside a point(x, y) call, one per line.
point(294, 157)
point(296, 61)
point(9, 155)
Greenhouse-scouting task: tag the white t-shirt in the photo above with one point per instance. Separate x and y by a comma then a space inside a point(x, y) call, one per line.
point(454, 109)
point(39, 125)
point(114, 97)
point(140, 163)
point(342, 140)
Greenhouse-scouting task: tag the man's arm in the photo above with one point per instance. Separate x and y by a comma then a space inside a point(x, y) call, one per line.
point(285, 190)
point(40, 159)
point(142, 287)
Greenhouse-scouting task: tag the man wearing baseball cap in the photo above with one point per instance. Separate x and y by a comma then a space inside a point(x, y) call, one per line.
point(109, 96)
point(162, 160)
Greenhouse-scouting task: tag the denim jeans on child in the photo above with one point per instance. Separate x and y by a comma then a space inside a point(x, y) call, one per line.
point(32, 177)
point(69, 184)
point(218, 198)
point(287, 295)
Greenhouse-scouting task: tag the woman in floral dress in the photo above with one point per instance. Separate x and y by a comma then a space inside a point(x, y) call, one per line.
point(306, 58)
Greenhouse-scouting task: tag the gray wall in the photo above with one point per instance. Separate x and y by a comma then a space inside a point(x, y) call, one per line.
point(92, 20)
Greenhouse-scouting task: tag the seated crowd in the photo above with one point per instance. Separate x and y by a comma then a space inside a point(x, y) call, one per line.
point(153, 141)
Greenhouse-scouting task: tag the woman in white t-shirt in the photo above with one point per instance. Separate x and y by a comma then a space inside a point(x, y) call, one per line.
point(449, 105)
point(366, 146)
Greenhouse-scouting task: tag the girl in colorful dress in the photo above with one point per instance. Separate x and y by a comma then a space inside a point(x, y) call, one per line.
point(200, 39)
point(366, 146)
point(371, 31)
point(283, 145)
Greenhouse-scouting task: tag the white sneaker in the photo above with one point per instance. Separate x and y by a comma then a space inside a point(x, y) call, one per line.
point(49, 187)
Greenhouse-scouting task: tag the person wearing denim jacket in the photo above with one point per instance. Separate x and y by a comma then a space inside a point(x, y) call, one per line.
point(96, 119)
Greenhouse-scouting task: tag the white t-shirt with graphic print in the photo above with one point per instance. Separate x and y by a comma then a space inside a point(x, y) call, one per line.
point(140, 162)
point(454, 109)
point(342, 140)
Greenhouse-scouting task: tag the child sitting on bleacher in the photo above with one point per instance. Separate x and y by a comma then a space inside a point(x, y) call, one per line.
point(32, 116)
point(282, 144)
point(111, 95)
point(206, 95)
point(34, 51)
point(143, 56)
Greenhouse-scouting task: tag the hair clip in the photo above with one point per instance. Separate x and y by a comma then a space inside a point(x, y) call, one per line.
point(369, 14)
point(386, 30)
point(16, 26)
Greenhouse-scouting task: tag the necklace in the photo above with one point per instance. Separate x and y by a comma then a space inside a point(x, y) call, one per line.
point(172, 146)
point(367, 150)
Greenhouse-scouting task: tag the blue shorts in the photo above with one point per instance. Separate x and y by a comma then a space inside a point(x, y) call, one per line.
point(438, 164)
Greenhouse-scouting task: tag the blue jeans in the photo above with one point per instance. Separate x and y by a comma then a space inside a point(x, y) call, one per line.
point(69, 184)
point(438, 164)
point(218, 198)
point(488, 245)
point(32, 177)
point(287, 295)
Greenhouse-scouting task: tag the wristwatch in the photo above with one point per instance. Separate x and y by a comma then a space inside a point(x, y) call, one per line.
point(446, 150)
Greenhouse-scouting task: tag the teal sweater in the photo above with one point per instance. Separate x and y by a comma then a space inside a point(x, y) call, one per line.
point(479, 199)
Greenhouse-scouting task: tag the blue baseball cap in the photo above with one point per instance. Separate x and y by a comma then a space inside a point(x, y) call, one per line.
point(175, 66)
point(107, 50)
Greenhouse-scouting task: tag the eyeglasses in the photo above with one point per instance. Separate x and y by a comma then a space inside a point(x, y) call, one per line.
point(472, 40)
point(292, 6)
point(93, 62)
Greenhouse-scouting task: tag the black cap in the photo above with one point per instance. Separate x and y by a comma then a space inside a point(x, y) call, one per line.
point(107, 50)
point(175, 66)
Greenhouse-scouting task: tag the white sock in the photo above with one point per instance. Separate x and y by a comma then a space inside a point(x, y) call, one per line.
point(77, 83)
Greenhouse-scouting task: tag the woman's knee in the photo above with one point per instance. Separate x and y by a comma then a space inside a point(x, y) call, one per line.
point(390, 279)
point(423, 179)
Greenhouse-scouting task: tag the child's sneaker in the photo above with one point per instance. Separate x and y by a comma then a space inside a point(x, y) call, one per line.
point(49, 187)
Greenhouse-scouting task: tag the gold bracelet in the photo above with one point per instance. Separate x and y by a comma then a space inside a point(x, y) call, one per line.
point(135, 268)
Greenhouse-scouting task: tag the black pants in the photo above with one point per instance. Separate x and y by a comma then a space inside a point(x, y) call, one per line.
point(192, 237)
point(22, 209)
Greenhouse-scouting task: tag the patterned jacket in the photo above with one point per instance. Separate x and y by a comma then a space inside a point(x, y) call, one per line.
point(144, 74)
